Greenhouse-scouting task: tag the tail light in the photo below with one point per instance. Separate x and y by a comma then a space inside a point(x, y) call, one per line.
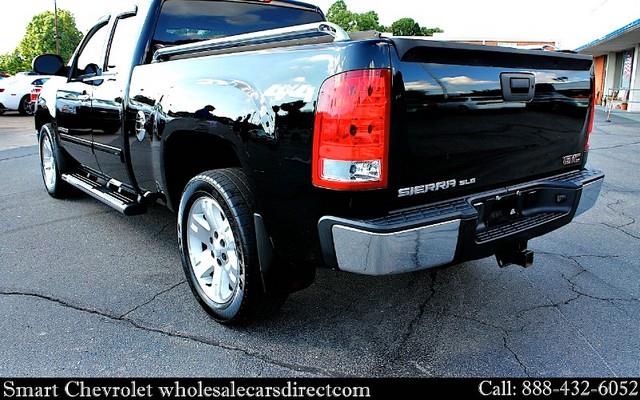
point(35, 93)
point(591, 115)
point(351, 135)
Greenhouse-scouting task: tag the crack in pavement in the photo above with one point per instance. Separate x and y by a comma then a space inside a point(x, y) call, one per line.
point(411, 326)
point(55, 221)
point(16, 194)
point(573, 288)
point(17, 157)
point(582, 335)
point(422, 310)
point(123, 316)
point(582, 269)
point(515, 355)
point(609, 187)
point(614, 147)
point(578, 293)
point(174, 334)
point(161, 231)
point(620, 213)
point(506, 333)
point(619, 229)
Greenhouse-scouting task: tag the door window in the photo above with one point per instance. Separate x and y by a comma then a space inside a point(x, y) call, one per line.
point(92, 54)
point(123, 44)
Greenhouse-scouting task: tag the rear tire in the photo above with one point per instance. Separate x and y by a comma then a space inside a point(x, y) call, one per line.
point(216, 236)
point(52, 164)
point(25, 108)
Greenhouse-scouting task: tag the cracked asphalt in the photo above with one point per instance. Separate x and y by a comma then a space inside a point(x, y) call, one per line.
point(85, 291)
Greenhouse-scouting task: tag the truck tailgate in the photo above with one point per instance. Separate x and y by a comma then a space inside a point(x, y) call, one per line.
point(474, 118)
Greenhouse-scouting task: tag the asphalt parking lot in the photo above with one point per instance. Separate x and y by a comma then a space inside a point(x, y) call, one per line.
point(85, 291)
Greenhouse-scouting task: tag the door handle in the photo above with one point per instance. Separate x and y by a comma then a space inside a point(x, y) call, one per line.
point(84, 96)
point(518, 86)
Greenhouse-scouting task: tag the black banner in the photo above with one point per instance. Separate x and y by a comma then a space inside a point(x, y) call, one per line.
point(195, 388)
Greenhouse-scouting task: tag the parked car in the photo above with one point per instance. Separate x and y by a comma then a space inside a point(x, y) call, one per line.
point(15, 92)
point(284, 145)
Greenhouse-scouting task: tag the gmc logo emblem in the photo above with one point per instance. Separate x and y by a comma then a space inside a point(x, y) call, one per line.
point(572, 159)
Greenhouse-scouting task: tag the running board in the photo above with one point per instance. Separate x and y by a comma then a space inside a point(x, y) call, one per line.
point(112, 198)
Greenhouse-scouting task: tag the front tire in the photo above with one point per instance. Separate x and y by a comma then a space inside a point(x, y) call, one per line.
point(52, 164)
point(216, 236)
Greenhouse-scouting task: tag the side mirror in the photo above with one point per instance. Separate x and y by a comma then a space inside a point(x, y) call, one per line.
point(48, 64)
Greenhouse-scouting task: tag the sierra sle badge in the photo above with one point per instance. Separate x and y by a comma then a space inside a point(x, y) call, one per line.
point(435, 187)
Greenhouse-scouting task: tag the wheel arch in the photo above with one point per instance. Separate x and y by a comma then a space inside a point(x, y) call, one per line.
point(186, 154)
point(43, 117)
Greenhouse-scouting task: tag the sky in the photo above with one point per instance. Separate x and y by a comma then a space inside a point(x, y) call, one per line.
point(571, 23)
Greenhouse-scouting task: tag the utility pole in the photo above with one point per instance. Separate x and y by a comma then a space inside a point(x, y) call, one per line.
point(55, 17)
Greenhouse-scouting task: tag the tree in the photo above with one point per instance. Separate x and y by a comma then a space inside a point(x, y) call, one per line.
point(368, 21)
point(430, 31)
point(40, 38)
point(406, 27)
point(11, 62)
point(350, 21)
point(340, 15)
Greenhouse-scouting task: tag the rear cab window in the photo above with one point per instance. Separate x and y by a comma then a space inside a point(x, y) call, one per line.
point(188, 21)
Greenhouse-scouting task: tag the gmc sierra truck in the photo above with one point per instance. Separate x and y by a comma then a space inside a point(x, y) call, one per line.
point(285, 144)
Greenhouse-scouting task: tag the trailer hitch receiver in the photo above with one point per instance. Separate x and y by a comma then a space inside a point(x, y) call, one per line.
point(516, 255)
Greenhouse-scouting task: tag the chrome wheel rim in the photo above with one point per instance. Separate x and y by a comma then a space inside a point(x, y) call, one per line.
point(48, 163)
point(212, 251)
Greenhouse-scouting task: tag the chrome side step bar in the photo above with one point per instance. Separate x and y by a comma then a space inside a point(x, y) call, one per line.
point(115, 199)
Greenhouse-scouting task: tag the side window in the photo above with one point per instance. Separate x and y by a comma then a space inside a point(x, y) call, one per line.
point(92, 56)
point(123, 44)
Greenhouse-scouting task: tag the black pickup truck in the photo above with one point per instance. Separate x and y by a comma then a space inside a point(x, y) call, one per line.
point(285, 144)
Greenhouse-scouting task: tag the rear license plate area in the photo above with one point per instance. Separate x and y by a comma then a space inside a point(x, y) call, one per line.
point(506, 215)
point(499, 211)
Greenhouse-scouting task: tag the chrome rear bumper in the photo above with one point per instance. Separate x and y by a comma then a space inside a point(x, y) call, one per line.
point(431, 236)
point(589, 195)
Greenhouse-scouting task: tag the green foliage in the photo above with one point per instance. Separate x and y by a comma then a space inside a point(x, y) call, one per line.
point(409, 27)
point(350, 21)
point(368, 21)
point(340, 15)
point(406, 27)
point(430, 31)
point(11, 62)
point(40, 38)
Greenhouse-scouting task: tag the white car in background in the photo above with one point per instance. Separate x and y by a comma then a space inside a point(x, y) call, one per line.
point(15, 92)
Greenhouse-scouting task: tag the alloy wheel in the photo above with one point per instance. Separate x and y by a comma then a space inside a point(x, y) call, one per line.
point(212, 251)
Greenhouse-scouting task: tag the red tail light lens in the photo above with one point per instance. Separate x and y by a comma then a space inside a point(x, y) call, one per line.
point(351, 135)
point(591, 115)
point(35, 93)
